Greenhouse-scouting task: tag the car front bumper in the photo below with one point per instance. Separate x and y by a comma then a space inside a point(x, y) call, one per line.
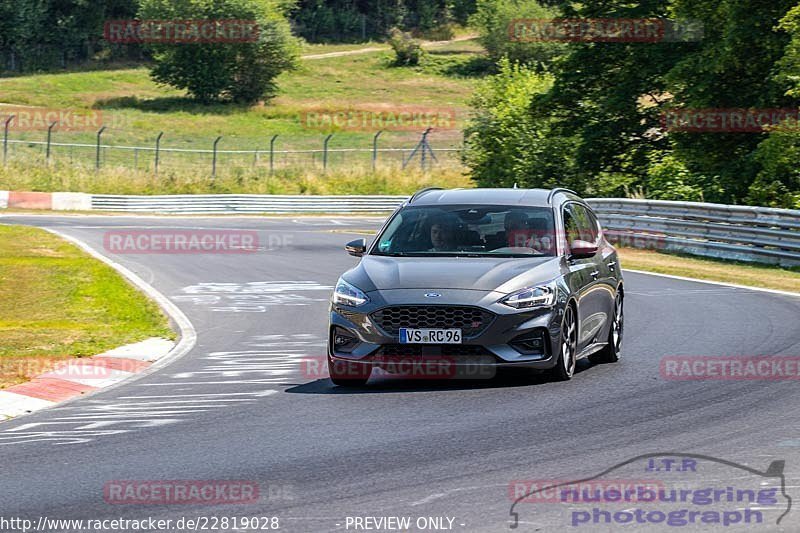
point(497, 344)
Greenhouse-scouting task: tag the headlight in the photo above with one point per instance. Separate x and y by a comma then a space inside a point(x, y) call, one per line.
point(346, 294)
point(540, 296)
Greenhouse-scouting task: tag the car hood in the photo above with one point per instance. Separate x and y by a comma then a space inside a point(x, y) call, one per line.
point(484, 274)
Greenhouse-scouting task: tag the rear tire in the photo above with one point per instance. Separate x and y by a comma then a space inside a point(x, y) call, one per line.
point(567, 350)
point(611, 352)
point(349, 374)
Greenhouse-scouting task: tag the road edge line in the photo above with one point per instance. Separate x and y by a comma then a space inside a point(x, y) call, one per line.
point(188, 335)
point(710, 282)
point(186, 330)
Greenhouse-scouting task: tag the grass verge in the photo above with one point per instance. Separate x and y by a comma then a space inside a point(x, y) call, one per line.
point(762, 276)
point(56, 303)
point(136, 109)
point(36, 176)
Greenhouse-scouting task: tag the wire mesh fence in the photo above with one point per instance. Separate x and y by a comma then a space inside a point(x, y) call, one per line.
point(220, 158)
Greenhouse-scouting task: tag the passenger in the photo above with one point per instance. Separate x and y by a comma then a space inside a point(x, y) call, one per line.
point(517, 230)
point(542, 239)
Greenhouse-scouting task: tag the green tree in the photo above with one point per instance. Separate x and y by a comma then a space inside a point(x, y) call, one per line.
point(778, 181)
point(238, 71)
point(733, 67)
point(506, 143)
point(607, 100)
point(44, 34)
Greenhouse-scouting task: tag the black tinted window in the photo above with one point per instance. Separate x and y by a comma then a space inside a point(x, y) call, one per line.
point(469, 230)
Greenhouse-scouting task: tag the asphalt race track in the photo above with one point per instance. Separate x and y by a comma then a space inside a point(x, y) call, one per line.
point(241, 405)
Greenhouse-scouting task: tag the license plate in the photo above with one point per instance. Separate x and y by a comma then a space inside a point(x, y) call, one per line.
point(430, 336)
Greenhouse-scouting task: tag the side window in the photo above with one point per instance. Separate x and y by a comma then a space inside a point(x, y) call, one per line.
point(386, 245)
point(596, 227)
point(580, 224)
point(571, 229)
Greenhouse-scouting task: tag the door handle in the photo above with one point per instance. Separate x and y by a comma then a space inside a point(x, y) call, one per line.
point(612, 265)
point(594, 274)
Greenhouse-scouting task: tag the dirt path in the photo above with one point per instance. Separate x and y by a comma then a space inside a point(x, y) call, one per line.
point(368, 50)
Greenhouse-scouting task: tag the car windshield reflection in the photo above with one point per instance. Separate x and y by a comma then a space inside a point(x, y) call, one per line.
point(467, 231)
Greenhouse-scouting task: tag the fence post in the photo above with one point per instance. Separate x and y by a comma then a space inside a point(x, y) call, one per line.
point(49, 136)
point(424, 144)
point(272, 155)
point(5, 139)
point(158, 148)
point(325, 153)
point(375, 150)
point(214, 158)
point(97, 155)
point(420, 144)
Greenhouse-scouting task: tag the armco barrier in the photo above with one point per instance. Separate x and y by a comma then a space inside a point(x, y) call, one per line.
point(742, 233)
point(246, 203)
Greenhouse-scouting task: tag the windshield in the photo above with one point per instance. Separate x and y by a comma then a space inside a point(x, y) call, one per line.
point(469, 231)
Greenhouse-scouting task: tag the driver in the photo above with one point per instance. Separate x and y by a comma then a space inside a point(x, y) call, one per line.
point(443, 235)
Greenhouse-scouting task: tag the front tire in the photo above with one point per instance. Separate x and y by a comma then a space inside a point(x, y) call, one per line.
point(611, 352)
point(348, 374)
point(567, 352)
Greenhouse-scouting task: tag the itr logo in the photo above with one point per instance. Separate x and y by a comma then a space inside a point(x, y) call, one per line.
point(671, 465)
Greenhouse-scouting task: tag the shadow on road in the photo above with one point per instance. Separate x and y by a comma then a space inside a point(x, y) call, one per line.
point(386, 384)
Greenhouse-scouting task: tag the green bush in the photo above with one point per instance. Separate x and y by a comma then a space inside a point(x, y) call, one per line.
point(669, 179)
point(234, 71)
point(493, 19)
point(506, 143)
point(408, 51)
point(778, 182)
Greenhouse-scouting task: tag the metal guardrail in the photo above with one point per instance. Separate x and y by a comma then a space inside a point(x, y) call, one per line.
point(742, 233)
point(246, 204)
point(756, 234)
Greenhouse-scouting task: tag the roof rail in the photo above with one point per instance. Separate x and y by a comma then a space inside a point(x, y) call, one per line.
point(558, 190)
point(423, 191)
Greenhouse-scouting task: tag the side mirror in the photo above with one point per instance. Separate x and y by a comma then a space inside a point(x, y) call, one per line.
point(582, 249)
point(356, 247)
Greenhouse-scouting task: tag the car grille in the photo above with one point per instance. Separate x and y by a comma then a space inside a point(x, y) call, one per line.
point(422, 350)
point(470, 320)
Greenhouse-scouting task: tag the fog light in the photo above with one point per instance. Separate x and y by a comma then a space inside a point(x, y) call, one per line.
point(531, 343)
point(343, 340)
